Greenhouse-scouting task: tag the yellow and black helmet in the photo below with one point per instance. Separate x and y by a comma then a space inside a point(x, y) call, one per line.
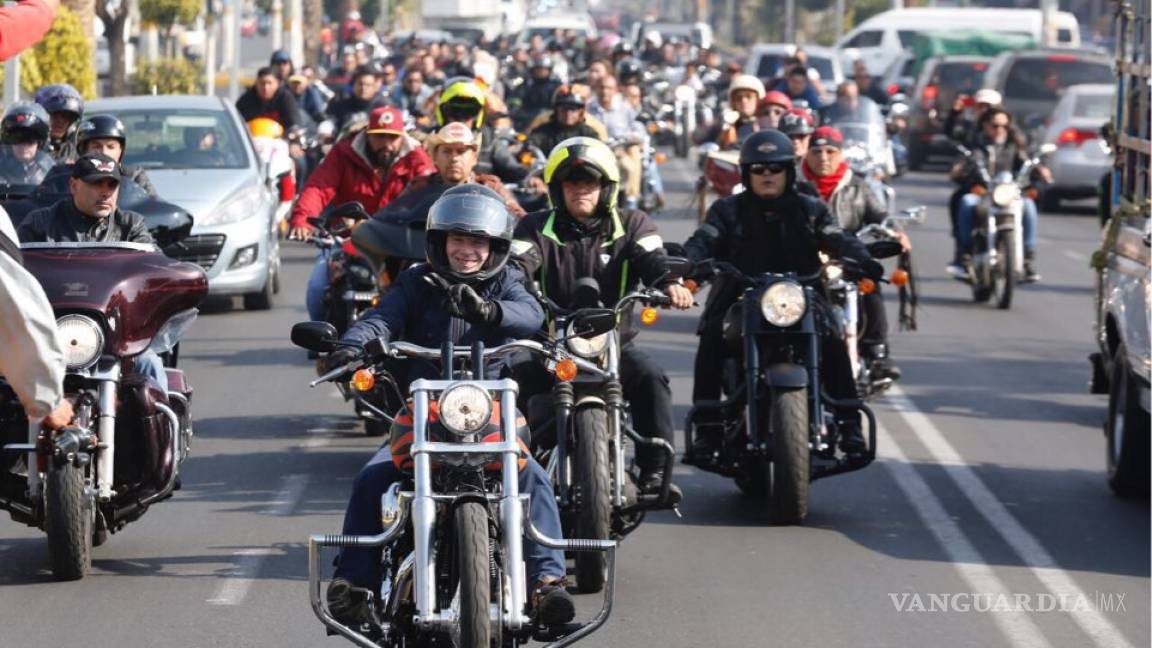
point(461, 99)
point(583, 156)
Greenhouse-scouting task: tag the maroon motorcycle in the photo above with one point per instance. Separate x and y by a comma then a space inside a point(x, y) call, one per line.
point(121, 454)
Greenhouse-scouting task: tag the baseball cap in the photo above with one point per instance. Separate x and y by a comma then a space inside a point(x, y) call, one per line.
point(96, 166)
point(988, 96)
point(386, 120)
point(453, 133)
point(827, 136)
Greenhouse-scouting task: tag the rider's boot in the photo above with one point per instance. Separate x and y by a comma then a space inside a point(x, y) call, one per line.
point(553, 604)
point(880, 362)
point(651, 481)
point(1030, 274)
point(348, 603)
point(852, 442)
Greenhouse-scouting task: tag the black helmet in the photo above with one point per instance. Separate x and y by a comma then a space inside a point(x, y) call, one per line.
point(101, 127)
point(24, 123)
point(570, 95)
point(628, 68)
point(798, 121)
point(61, 97)
point(623, 47)
point(766, 146)
point(474, 210)
point(280, 56)
point(542, 61)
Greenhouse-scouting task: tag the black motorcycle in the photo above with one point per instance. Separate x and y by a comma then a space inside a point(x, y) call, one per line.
point(774, 433)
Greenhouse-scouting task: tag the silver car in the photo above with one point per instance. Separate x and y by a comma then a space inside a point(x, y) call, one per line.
point(1082, 157)
point(199, 155)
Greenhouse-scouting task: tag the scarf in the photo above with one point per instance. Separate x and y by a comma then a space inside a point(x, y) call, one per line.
point(826, 184)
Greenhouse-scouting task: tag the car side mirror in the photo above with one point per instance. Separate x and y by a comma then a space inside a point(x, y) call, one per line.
point(589, 323)
point(314, 336)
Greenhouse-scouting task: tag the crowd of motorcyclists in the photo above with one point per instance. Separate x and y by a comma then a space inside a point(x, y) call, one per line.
point(531, 164)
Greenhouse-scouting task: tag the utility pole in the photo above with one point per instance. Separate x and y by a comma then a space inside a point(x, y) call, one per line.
point(233, 35)
point(211, 40)
point(840, 9)
point(789, 21)
point(1047, 28)
point(277, 21)
point(296, 31)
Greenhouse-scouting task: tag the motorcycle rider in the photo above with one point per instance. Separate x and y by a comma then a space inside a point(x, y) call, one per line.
point(739, 121)
point(963, 130)
point(24, 134)
point(105, 134)
point(91, 214)
point(569, 119)
point(854, 204)
point(867, 84)
point(65, 107)
point(772, 107)
point(620, 119)
point(479, 294)
point(798, 124)
point(1001, 149)
point(454, 150)
point(772, 228)
point(463, 100)
point(365, 96)
point(373, 168)
point(412, 94)
point(535, 96)
point(797, 84)
point(269, 98)
point(585, 234)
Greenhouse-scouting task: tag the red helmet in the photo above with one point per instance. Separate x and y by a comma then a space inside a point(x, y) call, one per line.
point(775, 98)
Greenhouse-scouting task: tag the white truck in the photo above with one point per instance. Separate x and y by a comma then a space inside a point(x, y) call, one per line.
point(469, 19)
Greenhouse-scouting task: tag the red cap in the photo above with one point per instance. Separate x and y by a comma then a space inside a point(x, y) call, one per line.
point(826, 136)
point(386, 120)
point(775, 97)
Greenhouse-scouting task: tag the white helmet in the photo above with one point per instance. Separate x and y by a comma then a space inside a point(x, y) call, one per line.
point(988, 96)
point(746, 82)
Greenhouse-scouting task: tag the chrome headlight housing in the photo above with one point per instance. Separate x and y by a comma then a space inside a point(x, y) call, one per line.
point(81, 339)
point(783, 303)
point(588, 348)
point(1004, 194)
point(465, 409)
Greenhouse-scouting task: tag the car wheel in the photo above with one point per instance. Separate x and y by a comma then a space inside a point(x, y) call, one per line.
point(917, 155)
point(263, 299)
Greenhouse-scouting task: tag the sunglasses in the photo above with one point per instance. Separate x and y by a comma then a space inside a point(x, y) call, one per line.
point(998, 126)
point(772, 167)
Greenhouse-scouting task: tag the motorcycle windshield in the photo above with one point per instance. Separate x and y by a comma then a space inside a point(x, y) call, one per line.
point(22, 168)
point(862, 126)
point(132, 286)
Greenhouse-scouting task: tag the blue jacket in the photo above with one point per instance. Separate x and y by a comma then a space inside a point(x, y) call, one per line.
point(809, 94)
point(413, 311)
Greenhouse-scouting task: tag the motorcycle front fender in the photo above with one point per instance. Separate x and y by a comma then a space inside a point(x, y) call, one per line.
point(786, 374)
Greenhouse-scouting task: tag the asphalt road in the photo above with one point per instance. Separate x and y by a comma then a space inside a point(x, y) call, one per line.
point(990, 482)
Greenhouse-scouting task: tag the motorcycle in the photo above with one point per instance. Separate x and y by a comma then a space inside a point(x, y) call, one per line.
point(865, 126)
point(582, 425)
point(647, 200)
point(353, 286)
point(773, 433)
point(122, 452)
point(996, 264)
point(453, 570)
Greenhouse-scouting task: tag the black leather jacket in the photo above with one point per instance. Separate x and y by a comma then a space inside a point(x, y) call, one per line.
point(62, 222)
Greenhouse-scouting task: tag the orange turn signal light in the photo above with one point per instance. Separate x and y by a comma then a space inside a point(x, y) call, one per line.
point(363, 380)
point(660, 158)
point(979, 190)
point(526, 158)
point(867, 286)
point(565, 370)
point(649, 316)
point(653, 128)
point(899, 277)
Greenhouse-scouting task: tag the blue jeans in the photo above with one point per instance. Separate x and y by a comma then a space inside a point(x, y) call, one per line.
point(361, 566)
point(149, 364)
point(653, 173)
point(966, 215)
point(317, 284)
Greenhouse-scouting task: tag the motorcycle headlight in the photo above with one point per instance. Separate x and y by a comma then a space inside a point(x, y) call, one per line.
point(1004, 194)
point(81, 339)
point(587, 347)
point(465, 409)
point(783, 304)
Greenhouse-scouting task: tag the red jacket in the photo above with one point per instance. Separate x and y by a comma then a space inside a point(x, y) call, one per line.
point(345, 175)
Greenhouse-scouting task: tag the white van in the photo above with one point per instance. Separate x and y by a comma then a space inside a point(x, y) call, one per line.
point(881, 38)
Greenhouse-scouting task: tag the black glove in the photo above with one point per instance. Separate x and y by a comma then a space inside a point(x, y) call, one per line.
point(339, 358)
point(872, 269)
point(463, 302)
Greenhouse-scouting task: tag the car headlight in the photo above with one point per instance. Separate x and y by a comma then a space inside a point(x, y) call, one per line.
point(586, 347)
point(81, 339)
point(783, 304)
point(241, 205)
point(465, 409)
point(1004, 194)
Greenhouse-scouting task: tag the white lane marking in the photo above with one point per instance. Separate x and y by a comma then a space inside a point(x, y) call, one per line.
point(1075, 256)
point(1018, 628)
point(1102, 631)
point(248, 561)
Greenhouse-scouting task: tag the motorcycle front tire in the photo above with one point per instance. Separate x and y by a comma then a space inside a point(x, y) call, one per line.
point(1004, 276)
point(789, 473)
point(473, 564)
point(594, 479)
point(68, 521)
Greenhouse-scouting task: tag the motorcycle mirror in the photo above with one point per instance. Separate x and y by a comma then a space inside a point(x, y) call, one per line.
point(885, 249)
point(675, 250)
point(677, 267)
point(586, 293)
point(353, 210)
point(917, 214)
point(314, 336)
point(592, 322)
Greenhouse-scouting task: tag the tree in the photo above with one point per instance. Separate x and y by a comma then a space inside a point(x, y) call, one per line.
point(166, 14)
point(114, 15)
point(168, 76)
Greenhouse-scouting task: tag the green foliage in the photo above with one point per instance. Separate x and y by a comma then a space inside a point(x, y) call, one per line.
point(63, 56)
point(167, 13)
point(168, 76)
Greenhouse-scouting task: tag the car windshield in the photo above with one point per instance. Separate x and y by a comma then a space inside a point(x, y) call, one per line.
point(182, 139)
point(23, 166)
point(823, 66)
point(1043, 78)
point(772, 66)
point(964, 76)
point(1093, 106)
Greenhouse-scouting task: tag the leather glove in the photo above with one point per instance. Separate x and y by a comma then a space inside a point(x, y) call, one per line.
point(339, 358)
point(872, 269)
point(463, 302)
